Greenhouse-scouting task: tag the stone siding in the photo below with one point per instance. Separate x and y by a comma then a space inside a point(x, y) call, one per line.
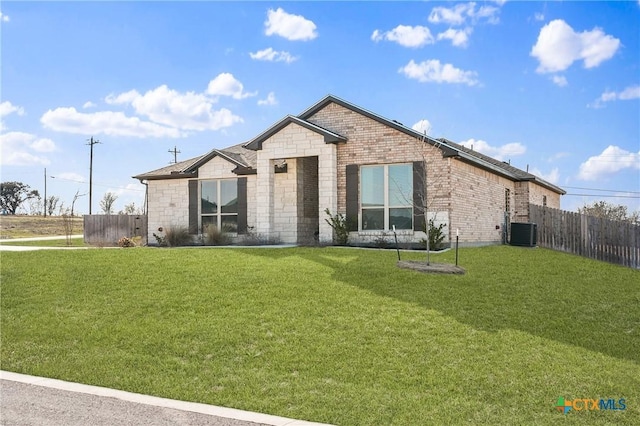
point(168, 206)
point(293, 142)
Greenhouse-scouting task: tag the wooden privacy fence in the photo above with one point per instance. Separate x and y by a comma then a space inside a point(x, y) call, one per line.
point(588, 236)
point(108, 229)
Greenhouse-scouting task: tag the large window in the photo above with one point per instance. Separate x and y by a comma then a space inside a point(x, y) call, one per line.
point(386, 197)
point(219, 204)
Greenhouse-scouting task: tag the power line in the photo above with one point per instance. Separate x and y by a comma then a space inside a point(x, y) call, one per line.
point(603, 190)
point(606, 195)
point(106, 185)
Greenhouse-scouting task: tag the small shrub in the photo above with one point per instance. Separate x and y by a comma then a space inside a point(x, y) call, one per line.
point(162, 241)
point(381, 241)
point(436, 235)
point(177, 236)
point(213, 236)
point(255, 239)
point(340, 229)
point(126, 242)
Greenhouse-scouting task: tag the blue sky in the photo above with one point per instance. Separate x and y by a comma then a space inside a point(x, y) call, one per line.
point(553, 86)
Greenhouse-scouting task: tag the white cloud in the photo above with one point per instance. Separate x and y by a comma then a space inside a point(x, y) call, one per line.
point(74, 177)
point(433, 71)
point(538, 16)
point(458, 38)
point(270, 100)
point(184, 111)
point(611, 160)
point(225, 84)
point(406, 36)
point(498, 152)
point(269, 54)
point(558, 156)
point(559, 80)
point(21, 149)
point(292, 27)
point(7, 108)
point(458, 14)
point(553, 176)
point(629, 93)
point(43, 145)
point(422, 126)
point(4, 18)
point(88, 104)
point(104, 122)
point(559, 46)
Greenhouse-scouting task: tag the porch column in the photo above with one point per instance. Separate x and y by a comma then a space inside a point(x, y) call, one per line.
point(264, 198)
point(327, 189)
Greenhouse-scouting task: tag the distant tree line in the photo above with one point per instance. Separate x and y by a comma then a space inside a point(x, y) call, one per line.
point(16, 195)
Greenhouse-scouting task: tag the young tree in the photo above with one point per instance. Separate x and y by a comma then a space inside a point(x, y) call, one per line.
point(605, 210)
point(13, 194)
point(51, 204)
point(106, 204)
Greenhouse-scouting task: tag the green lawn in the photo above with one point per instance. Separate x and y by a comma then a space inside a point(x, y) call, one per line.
point(75, 242)
point(333, 335)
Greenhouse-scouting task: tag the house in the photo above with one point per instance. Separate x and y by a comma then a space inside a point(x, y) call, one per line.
point(338, 156)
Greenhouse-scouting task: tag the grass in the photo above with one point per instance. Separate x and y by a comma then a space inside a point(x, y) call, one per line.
point(74, 242)
point(333, 335)
point(21, 226)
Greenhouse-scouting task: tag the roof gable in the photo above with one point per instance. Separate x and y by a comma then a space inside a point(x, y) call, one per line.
point(255, 144)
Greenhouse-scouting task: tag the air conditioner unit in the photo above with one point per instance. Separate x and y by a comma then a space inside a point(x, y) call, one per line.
point(524, 234)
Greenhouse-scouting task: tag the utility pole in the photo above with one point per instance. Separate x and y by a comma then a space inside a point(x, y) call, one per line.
point(175, 153)
point(45, 192)
point(91, 143)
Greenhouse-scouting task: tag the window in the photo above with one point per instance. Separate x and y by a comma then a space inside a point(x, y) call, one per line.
point(544, 200)
point(386, 197)
point(219, 204)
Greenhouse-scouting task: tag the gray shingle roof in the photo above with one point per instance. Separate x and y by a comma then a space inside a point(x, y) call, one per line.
point(244, 154)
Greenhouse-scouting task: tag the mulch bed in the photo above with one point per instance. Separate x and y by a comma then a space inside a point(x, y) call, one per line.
point(432, 268)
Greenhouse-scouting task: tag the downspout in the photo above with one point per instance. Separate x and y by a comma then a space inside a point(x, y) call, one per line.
point(146, 196)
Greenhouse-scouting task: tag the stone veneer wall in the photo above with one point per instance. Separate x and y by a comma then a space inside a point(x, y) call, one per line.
point(285, 211)
point(291, 143)
point(169, 198)
point(168, 205)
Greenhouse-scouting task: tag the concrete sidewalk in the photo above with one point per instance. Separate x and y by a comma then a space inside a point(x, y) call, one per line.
point(34, 401)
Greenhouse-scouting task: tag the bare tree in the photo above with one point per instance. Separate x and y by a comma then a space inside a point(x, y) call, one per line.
point(423, 202)
point(106, 204)
point(51, 204)
point(130, 209)
point(35, 206)
point(75, 198)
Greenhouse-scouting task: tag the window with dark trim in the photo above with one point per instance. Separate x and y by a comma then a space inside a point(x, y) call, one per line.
point(219, 204)
point(386, 197)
